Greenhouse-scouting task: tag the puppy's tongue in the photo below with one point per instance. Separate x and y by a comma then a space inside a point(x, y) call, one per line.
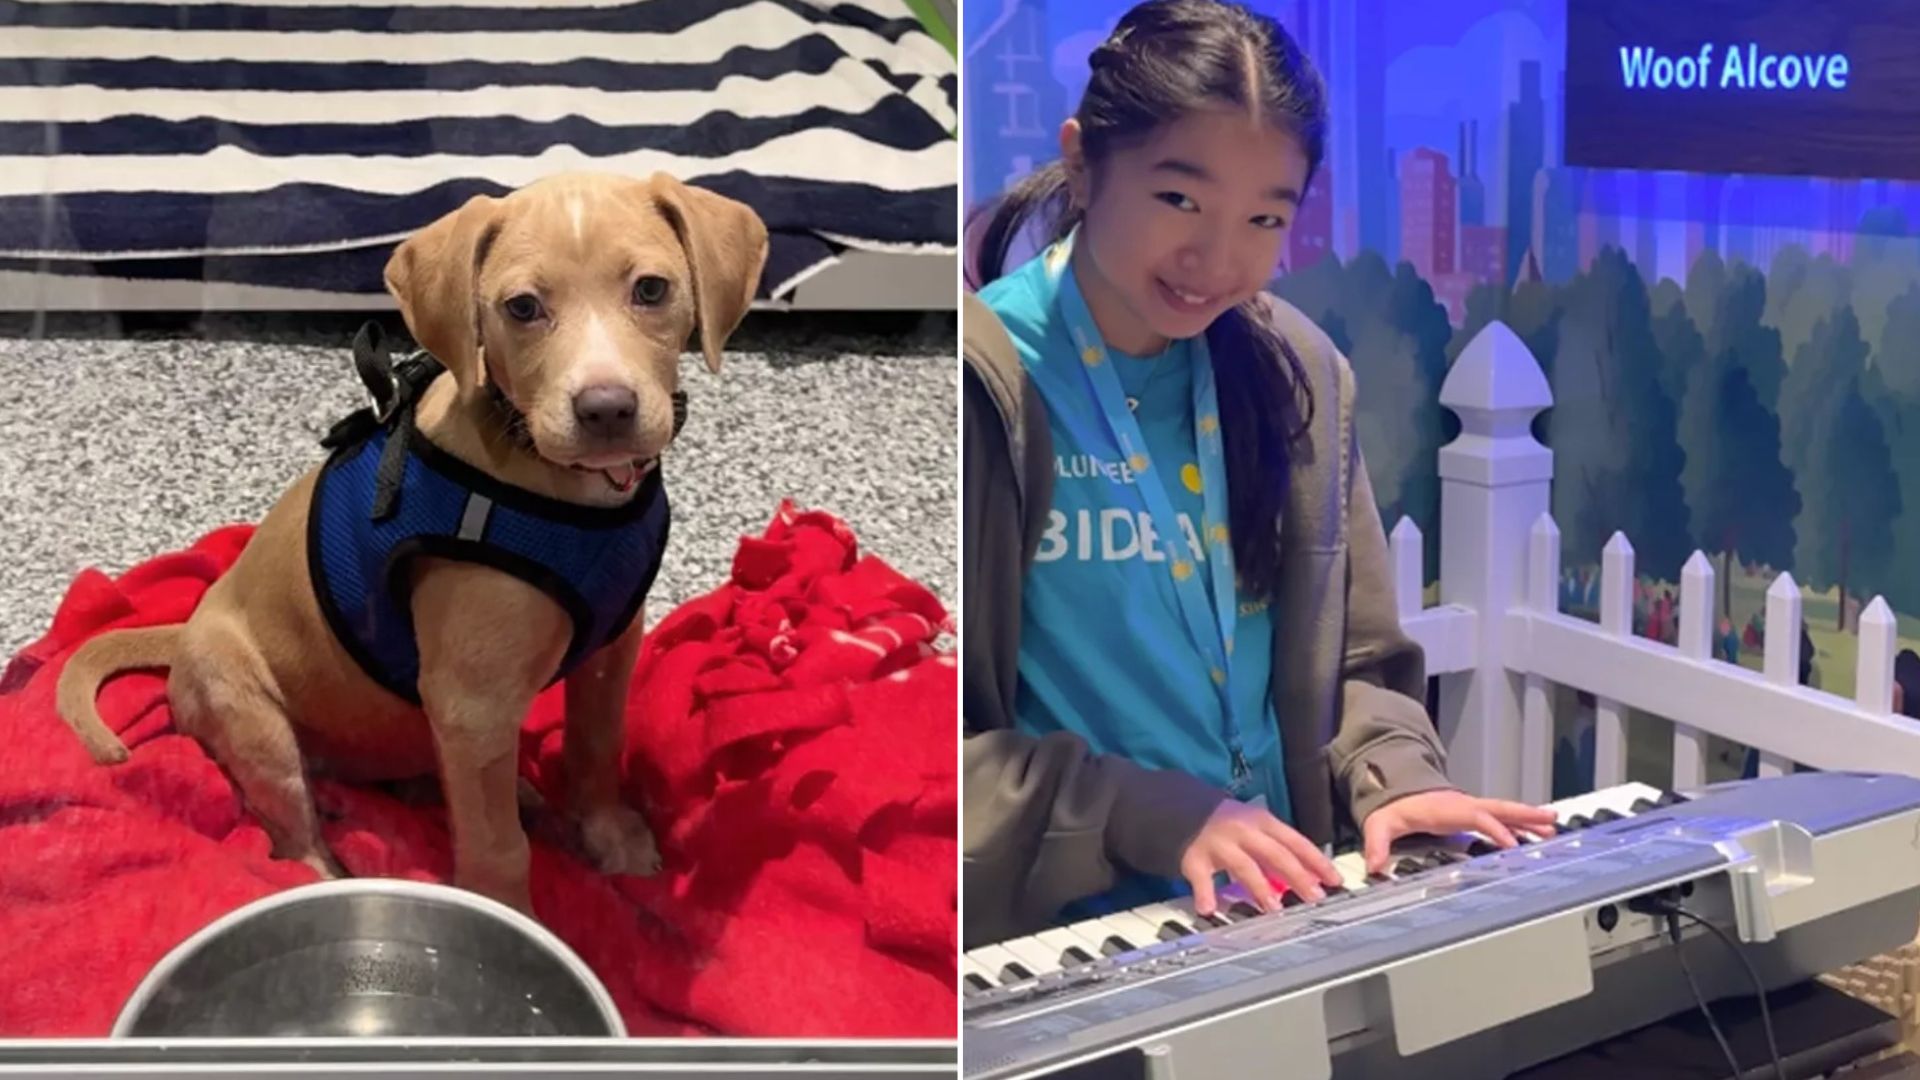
point(622, 483)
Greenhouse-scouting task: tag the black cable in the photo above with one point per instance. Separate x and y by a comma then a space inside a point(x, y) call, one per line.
point(1759, 991)
point(1673, 931)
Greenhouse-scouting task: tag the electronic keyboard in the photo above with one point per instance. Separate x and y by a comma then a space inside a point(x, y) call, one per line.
point(1424, 971)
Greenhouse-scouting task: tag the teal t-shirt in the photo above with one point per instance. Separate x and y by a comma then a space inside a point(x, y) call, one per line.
point(1104, 651)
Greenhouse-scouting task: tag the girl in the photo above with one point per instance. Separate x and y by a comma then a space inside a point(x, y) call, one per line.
point(1182, 655)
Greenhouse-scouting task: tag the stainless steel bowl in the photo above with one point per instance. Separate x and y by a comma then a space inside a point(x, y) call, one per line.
point(371, 957)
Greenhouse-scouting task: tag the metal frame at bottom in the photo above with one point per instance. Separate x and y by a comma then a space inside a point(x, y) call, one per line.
point(534, 1059)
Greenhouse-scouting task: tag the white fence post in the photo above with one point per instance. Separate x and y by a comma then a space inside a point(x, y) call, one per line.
point(1616, 618)
point(1495, 482)
point(1782, 644)
point(1408, 548)
point(1879, 636)
point(1696, 644)
point(1536, 731)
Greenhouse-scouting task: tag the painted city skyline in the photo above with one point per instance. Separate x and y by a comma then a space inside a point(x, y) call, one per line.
point(1446, 148)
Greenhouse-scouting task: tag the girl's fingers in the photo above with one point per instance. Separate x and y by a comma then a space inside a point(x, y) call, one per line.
point(1311, 857)
point(1285, 865)
point(1244, 870)
point(1199, 876)
point(1491, 827)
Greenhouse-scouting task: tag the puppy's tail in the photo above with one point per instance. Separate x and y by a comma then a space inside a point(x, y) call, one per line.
point(97, 661)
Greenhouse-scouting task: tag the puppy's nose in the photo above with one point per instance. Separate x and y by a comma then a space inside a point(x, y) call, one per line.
point(605, 412)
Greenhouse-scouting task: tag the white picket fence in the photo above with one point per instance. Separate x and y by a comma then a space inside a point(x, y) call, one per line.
point(1500, 643)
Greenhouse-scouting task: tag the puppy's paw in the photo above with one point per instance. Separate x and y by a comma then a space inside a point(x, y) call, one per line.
point(620, 842)
point(323, 863)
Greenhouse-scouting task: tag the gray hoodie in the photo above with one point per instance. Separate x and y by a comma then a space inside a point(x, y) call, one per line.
point(1048, 821)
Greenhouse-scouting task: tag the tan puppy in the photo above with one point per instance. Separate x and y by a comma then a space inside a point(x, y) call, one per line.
point(572, 298)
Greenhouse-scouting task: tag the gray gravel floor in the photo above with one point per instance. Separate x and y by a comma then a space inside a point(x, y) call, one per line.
point(121, 439)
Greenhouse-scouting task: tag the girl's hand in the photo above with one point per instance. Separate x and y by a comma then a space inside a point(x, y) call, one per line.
point(1251, 844)
point(1443, 812)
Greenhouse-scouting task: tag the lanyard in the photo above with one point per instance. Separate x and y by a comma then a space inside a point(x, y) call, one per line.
point(1209, 624)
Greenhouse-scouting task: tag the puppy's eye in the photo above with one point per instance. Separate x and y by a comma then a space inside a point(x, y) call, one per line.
point(524, 307)
point(650, 290)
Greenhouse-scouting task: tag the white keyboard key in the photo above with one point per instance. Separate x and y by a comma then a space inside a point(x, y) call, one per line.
point(1100, 937)
point(1162, 914)
point(972, 970)
point(1190, 914)
point(1035, 955)
point(1353, 870)
point(998, 960)
point(1070, 950)
point(1132, 927)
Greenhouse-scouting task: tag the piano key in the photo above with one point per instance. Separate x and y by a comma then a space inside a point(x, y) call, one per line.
point(1353, 869)
point(1089, 932)
point(1619, 799)
point(1191, 914)
point(1102, 939)
point(977, 979)
point(1035, 955)
point(1237, 904)
point(1409, 866)
point(1173, 925)
point(1001, 965)
point(1069, 949)
point(1132, 927)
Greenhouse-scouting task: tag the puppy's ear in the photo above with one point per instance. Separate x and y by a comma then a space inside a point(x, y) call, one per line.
point(433, 275)
point(726, 246)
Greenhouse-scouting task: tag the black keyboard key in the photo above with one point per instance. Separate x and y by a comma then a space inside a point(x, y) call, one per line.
point(1291, 899)
point(1443, 857)
point(1244, 909)
point(1481, 847)
point(1015, 973)
point(1074, 954)
point(1173, 931)
point(1407, 867)
point(1643, 804)
point(977, 984)
point(1671, 798)
point(1601, 817)
point(1115, 945)
point(1577, 822)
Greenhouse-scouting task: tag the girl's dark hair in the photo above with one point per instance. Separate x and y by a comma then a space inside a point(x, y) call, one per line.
point(1165, 59)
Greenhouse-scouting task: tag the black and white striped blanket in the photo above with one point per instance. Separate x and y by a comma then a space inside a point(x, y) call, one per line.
point(290, 144)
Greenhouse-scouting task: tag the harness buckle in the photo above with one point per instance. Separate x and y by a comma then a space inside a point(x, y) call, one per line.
point(375, 368)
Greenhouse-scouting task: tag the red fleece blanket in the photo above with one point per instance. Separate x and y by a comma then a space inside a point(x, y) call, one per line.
point(797, 757)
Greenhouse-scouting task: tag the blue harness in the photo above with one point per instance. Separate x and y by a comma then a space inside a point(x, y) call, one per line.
point(388, 495)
